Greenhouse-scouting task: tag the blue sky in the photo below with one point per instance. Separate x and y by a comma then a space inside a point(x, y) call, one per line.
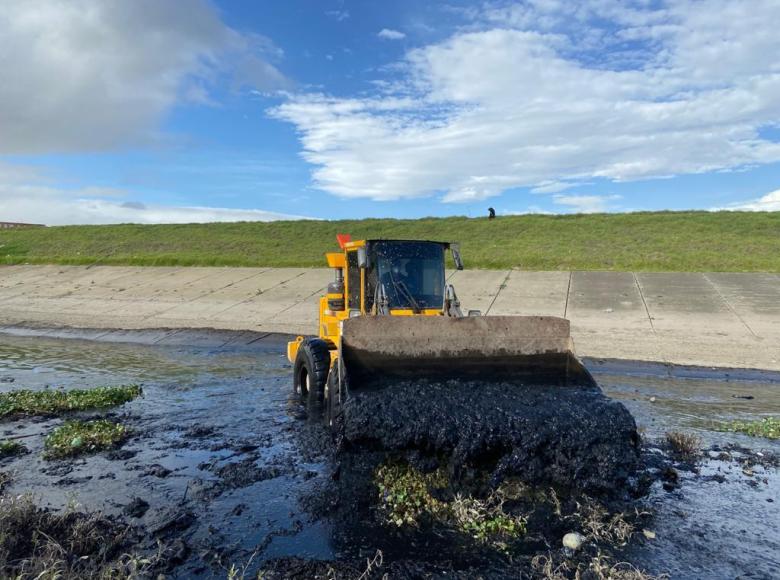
point(189, 110)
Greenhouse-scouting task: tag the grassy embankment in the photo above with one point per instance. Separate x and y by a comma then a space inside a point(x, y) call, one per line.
point(660, 241)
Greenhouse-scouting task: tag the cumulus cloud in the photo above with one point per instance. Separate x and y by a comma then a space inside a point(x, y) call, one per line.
point(544, 94)
point(768, 202)
point(91, 75)
point(390, 34)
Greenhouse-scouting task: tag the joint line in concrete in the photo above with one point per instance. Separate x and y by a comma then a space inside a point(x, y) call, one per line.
point(317, 291)
point(209, 293)
point(500, 287)
point(729, 306)
point(568, 291)
point(642, 296)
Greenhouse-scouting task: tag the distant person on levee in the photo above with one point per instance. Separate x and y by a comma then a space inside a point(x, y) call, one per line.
point(491, 213)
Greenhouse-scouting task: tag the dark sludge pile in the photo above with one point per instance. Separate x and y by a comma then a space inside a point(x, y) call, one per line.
point(571, 437)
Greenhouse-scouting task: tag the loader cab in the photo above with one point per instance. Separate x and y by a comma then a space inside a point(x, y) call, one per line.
point(386, 277)
point(404, 277)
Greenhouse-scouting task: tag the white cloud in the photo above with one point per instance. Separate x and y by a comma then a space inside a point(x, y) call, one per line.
point(768, 202)
point(390, 34)
point(585, 203)
point(541, 94)
point(87, 75)
point(26, 196)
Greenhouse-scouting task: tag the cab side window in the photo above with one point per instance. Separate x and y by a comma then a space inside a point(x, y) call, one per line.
point(353, 281)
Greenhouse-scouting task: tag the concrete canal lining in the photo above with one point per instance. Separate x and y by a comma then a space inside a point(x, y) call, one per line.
point(706, 319)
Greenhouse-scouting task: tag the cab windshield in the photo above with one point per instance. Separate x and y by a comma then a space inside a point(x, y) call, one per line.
point(411, 274)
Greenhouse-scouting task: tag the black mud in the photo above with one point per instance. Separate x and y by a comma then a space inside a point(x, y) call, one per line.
point(570, 437)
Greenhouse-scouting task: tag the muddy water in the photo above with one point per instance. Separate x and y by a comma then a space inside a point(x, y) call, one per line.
point(203, 408)
point(723, 521)
point(218, 440)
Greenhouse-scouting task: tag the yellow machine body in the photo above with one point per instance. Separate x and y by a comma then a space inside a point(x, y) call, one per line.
point(391, 313)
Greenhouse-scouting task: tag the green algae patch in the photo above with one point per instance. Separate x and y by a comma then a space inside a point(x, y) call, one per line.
point(55, 402)
point(11, 449)
point(768, 427)
point(408, 497)
point(74, 438)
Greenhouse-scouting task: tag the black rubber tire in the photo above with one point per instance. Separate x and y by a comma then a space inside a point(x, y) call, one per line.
point(310, 371)
point(332, 400)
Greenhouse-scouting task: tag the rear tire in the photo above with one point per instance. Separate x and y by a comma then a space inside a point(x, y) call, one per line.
point(311, 371)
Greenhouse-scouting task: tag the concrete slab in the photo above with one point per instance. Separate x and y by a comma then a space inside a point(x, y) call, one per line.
point(678, 302)
point(212, 303)
point(477, 289)
point(532, 293)
point(609, 317)
point(272, 305)
point(755, 299)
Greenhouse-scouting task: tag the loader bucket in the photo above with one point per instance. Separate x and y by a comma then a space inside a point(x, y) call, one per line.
point(529, 349)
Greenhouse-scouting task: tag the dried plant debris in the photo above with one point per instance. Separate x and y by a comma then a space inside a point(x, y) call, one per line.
point(686, 446)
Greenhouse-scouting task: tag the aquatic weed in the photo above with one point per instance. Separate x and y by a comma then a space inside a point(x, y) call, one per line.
point(406, 495)
point(11, 448)
point(80, 437)
point(768, 427)
point(54, 402)
point(405, 492)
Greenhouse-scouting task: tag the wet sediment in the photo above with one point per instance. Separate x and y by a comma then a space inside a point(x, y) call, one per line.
point(573, 437)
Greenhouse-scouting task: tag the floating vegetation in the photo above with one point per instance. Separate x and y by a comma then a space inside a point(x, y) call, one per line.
point(81, 437)
point(54, 402)
point(409, 496)
point(768, 427)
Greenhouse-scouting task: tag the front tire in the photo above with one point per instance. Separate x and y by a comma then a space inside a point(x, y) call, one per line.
point(333, 399)
point(310, 371)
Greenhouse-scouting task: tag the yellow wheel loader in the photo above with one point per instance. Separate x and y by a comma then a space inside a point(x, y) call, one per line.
point(390, 313)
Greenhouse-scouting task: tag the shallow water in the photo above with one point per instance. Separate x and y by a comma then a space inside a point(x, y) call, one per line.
point(228, 401)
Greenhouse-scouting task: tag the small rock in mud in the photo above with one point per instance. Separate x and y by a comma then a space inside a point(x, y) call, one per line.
point(157, 470)
point(573, 541)
point(136, 508)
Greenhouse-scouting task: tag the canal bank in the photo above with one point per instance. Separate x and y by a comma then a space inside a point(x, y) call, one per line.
point(729, 320)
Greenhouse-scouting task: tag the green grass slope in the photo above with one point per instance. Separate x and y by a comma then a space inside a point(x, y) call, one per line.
point(659, 241)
